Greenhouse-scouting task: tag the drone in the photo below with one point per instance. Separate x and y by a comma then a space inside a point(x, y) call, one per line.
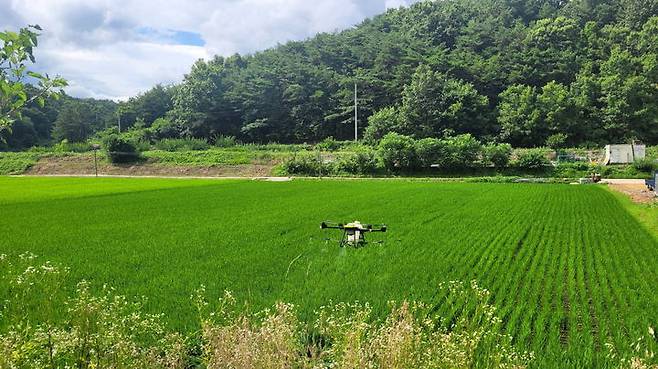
point(353, 233)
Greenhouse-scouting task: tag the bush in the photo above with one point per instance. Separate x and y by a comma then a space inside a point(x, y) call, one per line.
point(646, 165)
point(533, 159)
point(328, 144)
point(498, 155)
point(556, 141)
point(120, 150)
point(308, 164)
point(226, 141)
point(140, 136)
point(382, 122)
point(363, 161)
point(182, 144)
point(430, 151)
point(397, 152)
point(165, 128)
point(461, 152)
point(66, 146)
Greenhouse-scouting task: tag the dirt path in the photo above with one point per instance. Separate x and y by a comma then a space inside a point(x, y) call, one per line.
point(634, 188)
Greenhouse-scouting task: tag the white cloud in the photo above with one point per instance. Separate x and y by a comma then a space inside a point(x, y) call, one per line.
point(121, 69)
point(249, 25)
point(100, 46)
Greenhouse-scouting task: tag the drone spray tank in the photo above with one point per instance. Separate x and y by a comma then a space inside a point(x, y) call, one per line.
point(353, 233)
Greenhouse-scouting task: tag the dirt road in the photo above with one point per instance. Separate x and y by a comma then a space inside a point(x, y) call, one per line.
point(634, 188)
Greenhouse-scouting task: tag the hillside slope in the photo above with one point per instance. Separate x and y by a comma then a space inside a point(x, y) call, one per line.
point(515, 71)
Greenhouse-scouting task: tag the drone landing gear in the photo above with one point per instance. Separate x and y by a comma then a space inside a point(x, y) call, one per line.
point(352, 237)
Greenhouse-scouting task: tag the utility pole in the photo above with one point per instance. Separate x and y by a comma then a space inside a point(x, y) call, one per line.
point(356, 115)
point(119, 120)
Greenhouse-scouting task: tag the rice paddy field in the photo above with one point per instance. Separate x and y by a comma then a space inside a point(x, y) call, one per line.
point(568, 267)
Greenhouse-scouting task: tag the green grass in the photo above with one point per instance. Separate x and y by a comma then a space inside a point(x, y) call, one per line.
point(211, 157)
point(569, 268)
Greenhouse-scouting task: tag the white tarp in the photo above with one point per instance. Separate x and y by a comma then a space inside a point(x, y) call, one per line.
point(624, 153)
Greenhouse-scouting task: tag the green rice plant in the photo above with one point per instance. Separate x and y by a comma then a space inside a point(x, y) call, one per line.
point(567, 268)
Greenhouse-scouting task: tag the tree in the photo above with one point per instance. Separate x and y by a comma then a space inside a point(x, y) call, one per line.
point(551, 51)
point(629, 98)
point(515, 71)
point(519, 117)
point(74, 122)
point(433, 104)
point(16, 52)
point(558, 111)
point(148, 106)
point(382, 122)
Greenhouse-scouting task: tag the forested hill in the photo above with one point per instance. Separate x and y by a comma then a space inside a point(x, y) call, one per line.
point(511, 70)
point(517, 71)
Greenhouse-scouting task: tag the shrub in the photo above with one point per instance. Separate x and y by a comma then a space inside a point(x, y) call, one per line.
point(182, 144)
point(497, 154)
point(226, 141)
point(430, 151)
point(362, 161)
point(328, 144)
point(533, 159)
point(461, 152)
point(165, 128)
point(306, 164)
point(408, 337)
point(120, 150)
point(66, 146)
point(141, 136)
point(646, 165)
point(43, 328)
point(556, 141)
point(397, 152)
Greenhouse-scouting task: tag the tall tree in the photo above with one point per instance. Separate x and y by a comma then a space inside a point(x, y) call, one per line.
point(74, 122)
point(433, 104)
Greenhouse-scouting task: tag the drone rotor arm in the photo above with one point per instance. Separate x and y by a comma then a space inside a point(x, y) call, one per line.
point(331, 225)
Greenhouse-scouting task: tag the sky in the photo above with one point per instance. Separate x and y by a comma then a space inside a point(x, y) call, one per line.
point(115, 49)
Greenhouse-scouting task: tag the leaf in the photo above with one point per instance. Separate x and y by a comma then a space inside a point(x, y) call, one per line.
point(35, 75)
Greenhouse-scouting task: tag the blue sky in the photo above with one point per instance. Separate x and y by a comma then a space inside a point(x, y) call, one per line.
point(117, 48)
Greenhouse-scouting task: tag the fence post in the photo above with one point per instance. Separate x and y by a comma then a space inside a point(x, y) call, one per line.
point(96, 147)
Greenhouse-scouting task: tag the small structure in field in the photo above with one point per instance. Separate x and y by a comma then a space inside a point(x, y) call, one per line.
point(624, 153)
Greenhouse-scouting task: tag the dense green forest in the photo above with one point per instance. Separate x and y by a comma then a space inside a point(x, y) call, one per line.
point(584, 72)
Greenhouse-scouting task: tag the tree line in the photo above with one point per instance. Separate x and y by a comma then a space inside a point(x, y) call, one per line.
point(524, 72)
